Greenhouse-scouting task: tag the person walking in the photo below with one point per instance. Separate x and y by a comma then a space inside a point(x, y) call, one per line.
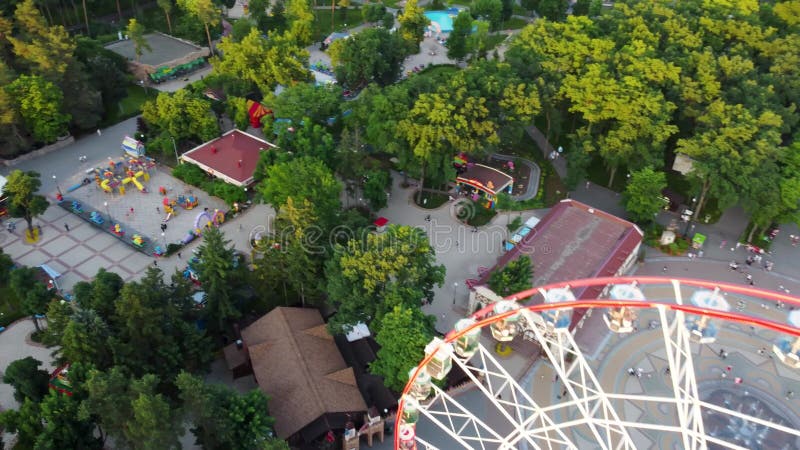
point(179, 255)
point(66, 226)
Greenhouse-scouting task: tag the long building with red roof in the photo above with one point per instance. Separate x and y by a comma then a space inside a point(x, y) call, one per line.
point(232, 157)
point(575, 241)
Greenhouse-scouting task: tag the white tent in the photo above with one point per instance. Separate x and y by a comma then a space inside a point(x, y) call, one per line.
point(359, 331)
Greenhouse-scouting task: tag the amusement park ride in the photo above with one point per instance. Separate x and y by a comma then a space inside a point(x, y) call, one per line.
point(589, 414)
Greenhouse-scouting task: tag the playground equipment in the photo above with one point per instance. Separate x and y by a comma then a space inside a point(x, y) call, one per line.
point(188, 201)
point(78, 185)
point(117, 229)
point(190, 236)
point(158, 251)
point(206, 219)
point(109, 184)
point(133, 177)
point(256, 111)
point(170, 211)
point(137, 241)
point(96, 218)
point(76, 207)
point(132, 147)
point(190, 273)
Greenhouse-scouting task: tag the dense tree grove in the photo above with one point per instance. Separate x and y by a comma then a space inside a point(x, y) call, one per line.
point(645, 80)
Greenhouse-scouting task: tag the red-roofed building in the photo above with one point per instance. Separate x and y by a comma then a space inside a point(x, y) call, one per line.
point(231, 158)
point(575, 241)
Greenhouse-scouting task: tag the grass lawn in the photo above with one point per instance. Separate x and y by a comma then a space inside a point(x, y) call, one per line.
point(131, 105)
point(474, 214)
point(10, 308)
point(430, 200)
point(514, 23)
point(345, 19)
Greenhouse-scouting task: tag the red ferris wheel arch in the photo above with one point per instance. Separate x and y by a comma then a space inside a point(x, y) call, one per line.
point(483, 317)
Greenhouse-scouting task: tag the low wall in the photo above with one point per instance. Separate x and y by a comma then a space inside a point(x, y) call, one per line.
point(40, 152)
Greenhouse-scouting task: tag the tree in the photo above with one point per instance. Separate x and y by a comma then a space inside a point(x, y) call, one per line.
point(151, 314)
point(27, 379)
point(478, 41)
point(258, 14)
point(555, 10)
point(515, 277)
point(223, 418)
point(62, 426)
point(183, 115)
point(23, 201)
point(43, 49)
point(39, 104)
point(219, 277)
point(85, 340)
point(6, 263)
point(642, 196)
point(206, 12)
point(166, 6)
point(99, 295)
point(373, 55)
point(136, 32)
point(404, 333)
point(457, 41)
point(375, 186)
point(290, 261)
point(373, 12)
point(489, 10)
point(308, 101)
point(34, 294)
point(310, 139)
point(368, 277)
point(321, 188)
point(301, 20)
point(412, 25)
point(131, 410)
point(263, 62)
point(59, 315)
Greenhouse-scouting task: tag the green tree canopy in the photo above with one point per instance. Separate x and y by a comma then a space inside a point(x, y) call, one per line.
point(33, 293)
point(404, 333)
point(301, 20)
point(183, 115)
point(220, 277)
point(39, 103)
point(320, 187)
point(27, 379)
point(412, 25)
point(368, 277)
point(136, 32)
point(457, 41)
point(489, 10)
point(206, 12)
point(224, 418)
point(263, 62)
point(373, 55)
point(515, 277)
point(642, 197)
point(23, 201)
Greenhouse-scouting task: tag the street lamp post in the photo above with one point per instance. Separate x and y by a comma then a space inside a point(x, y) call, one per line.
point(455, 290)
point(57, 187)
point(164, 239)
point(107, 213)
point(174, 147)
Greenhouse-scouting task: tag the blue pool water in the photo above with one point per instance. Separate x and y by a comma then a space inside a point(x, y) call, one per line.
point(443, 18)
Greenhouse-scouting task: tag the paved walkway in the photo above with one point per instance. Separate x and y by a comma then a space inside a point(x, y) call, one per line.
point(533, 179)
point(560, 164)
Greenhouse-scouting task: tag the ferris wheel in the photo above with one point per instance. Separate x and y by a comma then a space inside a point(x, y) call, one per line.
point(719, 359)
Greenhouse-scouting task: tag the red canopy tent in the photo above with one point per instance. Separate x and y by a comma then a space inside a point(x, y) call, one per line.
point(256, 111)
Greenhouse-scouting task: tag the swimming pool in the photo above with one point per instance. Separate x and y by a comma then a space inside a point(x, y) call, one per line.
point(443, 19)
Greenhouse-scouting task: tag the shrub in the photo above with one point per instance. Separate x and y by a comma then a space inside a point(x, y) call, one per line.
point(191, 174)
point(514, 224)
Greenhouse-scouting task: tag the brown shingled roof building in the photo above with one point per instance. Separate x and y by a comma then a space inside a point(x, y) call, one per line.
point(295, 362)
point(575, 241)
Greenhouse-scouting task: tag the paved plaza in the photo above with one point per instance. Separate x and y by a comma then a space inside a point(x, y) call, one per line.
point(144, 211)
